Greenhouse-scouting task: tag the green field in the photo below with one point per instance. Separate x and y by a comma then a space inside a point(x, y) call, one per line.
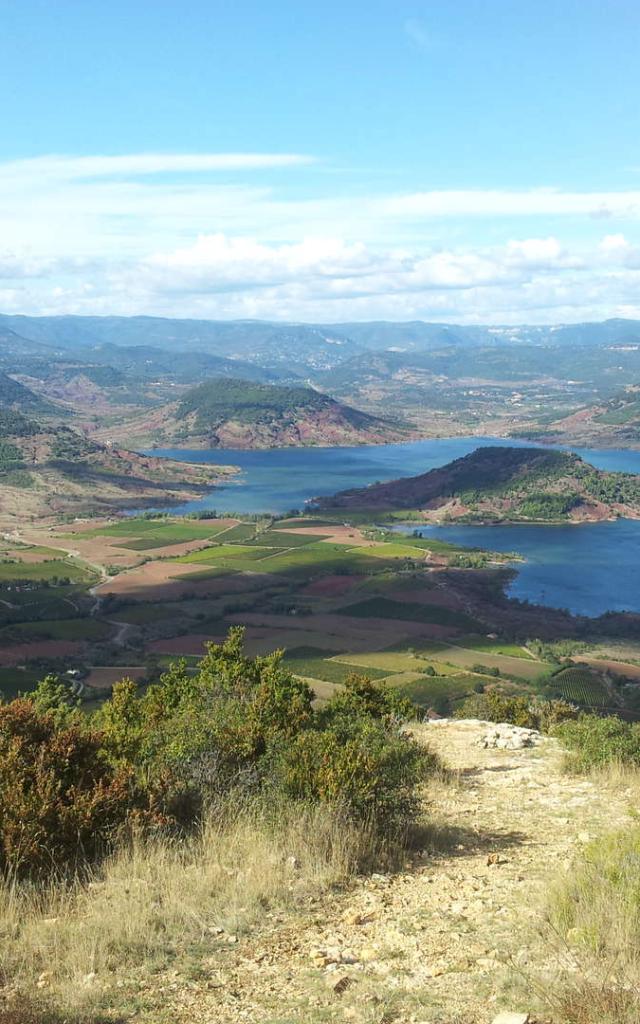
point(312, 663)
point(56, 629)
point(286, 524)
point(485, 645)
point(385, 608)
point(581, 686)
point(152, 533)
point(223, 553)
point(395, 662)
point(281, 539)
point(298, 560)
point(439, 691)
point(15, 680)
point(242, 531)
point(393, 551)
point(56, 568)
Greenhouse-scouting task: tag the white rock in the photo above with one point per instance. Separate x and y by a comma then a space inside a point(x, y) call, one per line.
point(509, 1017)
point(509, 737)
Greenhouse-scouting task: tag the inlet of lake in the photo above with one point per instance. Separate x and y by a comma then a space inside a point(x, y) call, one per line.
point(589, 568)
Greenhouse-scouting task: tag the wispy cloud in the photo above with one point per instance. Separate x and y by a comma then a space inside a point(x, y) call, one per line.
point(222, 235)
point(70, 168)
point(511, 203)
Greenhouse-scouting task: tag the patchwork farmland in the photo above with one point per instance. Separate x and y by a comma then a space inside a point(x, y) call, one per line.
point(108, 598)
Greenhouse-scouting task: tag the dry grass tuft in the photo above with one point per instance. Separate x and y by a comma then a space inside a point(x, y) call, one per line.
point(594, 921)
point(588, 1003)
point(154, 901)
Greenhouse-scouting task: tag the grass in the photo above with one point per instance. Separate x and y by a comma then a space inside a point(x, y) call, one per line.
point(156, 905)
point(385, 608)
point(594, 911)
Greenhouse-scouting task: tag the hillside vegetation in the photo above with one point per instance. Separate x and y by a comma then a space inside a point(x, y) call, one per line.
point(15, 396)
point(235, 413)
point(504, 484)
point(52, 469)
point(219, 848)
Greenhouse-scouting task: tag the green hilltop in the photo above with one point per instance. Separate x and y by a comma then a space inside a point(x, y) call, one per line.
point(505, 484)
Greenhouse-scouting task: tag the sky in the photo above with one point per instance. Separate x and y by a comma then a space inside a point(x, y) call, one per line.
point(471, 162)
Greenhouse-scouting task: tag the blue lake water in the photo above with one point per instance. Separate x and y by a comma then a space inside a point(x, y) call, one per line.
point(588, 569)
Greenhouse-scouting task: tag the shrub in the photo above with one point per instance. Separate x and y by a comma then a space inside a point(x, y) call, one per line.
point(361, 766)
point(528, 713)
point(60, 803)
point(361, 696)
point(491, 706)
point(595, 742)
point(250, 723)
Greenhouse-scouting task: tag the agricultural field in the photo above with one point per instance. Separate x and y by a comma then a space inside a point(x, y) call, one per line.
point(339, 598)
point(56, 629)
point(581, 686)
point(384, 608)
point(164, 532)
point(53, 569)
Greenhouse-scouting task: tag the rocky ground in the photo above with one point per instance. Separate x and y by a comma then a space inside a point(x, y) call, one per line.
point(456, 937)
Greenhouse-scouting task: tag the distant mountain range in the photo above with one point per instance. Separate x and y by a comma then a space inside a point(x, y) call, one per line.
point(125, 372)
point(188, 350)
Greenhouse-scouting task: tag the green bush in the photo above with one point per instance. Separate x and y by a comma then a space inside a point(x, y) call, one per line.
point(360, 764)
point(69, 784)
point(595, 742)
point(528, 713)
point(247, 722)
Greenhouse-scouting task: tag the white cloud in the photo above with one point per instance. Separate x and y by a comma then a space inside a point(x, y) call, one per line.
point(538, 280)
point(192, 235)
point(69, 168)
point(511, 203)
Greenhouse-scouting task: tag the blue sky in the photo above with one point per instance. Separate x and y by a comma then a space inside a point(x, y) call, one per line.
point(476, 161)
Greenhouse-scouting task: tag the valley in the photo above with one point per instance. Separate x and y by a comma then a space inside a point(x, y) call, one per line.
point(105, 598)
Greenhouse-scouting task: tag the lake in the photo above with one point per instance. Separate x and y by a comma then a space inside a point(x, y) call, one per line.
point(588, 569)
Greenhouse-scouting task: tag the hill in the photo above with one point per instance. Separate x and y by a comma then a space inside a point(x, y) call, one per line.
point(14, 395)
point(614, 422)
point(504, 485)
point(233, 413)
point(53, 470)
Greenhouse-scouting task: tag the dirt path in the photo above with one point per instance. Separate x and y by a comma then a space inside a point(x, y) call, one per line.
point(438, 942)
